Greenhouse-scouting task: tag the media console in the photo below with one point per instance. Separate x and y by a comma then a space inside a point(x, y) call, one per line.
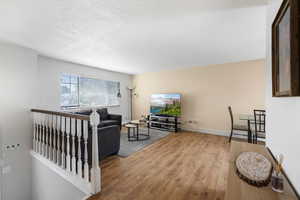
point(165, 123)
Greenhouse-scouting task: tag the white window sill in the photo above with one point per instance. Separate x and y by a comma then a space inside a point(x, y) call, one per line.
point(76, 109)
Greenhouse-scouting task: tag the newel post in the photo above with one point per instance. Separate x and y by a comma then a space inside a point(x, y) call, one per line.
point(95, 171)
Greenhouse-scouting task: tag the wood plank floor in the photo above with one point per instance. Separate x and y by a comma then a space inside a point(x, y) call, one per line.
point(183, 166)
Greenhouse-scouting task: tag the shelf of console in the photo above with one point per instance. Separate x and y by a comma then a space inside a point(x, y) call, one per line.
point(165, 123)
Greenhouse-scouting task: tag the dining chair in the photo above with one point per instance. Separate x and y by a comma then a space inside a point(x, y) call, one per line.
point(236, 127)
point(259, 124)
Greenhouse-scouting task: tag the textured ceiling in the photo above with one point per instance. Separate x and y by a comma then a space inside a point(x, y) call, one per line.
point(136, 36)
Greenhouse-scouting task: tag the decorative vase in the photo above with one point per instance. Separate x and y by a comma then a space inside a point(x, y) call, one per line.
point(277, 182)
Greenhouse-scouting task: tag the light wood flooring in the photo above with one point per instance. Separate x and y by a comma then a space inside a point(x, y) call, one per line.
point(182, 166)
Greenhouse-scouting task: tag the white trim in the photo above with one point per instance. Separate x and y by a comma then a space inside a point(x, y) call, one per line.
point(75, 180)
point(82, 108)
point(220, 133)
point(208, 131)
point(214, 132)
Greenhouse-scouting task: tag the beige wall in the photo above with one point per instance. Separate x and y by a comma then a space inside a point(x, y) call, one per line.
point(206, 92)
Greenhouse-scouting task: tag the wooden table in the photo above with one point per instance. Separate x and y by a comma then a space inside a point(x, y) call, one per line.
point(238, 189)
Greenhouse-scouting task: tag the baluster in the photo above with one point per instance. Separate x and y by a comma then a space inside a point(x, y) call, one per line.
point(43, 134)
point(50, 136)
point(34, 132)
point(54, 127)
point(63, 131)
point(73, 132)
point(68, 158)
point(79, 162)
point(46, 136)
point(85, 138)
point(58, 153)
point(39, 146)
point(36, 119)
point(95, 171)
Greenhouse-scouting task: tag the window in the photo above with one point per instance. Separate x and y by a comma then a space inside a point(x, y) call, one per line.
point(69, 85)
point(81, 91)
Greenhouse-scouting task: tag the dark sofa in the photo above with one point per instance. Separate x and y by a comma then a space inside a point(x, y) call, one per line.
point(106, 119)
point(108, 142)
point(108, 134)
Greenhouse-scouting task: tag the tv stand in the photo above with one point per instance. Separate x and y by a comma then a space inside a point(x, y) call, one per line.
point(164, 123)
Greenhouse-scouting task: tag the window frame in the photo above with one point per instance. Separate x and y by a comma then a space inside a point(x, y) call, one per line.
point(78, 106)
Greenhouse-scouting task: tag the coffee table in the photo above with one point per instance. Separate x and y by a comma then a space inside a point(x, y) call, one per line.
point(133, 128)
point(141, 136)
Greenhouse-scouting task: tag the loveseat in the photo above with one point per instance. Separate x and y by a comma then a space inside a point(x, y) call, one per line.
point(108, 134)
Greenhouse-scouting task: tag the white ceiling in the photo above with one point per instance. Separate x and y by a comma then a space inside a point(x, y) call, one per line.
point(136, 36)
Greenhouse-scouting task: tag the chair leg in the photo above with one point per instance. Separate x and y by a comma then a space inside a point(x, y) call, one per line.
point(256, 138)
point(128, 133)
point(230, 135)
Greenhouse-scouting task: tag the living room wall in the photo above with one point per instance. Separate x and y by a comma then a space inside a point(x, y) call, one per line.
point(206, 93)
point(51, 69)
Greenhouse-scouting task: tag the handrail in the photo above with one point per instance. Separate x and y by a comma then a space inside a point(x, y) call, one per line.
point(64, 114)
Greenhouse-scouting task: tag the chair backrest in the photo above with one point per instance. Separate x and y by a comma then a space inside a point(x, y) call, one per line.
point(260, 121)
point(231, 115)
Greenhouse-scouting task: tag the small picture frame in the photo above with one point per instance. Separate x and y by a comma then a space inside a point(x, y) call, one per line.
point(285, 50)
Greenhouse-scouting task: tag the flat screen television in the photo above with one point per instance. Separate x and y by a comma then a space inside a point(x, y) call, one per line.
point(165, 104)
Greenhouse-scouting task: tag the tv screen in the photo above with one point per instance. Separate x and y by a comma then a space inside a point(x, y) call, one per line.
point(165, 104)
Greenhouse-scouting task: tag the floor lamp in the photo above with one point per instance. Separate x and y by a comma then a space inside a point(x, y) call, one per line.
point(131, 89)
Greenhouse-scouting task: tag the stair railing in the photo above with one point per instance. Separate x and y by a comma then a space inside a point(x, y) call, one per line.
point(66, 139)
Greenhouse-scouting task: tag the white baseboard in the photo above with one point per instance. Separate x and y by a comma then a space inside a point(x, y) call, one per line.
point(214, 132)
point(207, 131)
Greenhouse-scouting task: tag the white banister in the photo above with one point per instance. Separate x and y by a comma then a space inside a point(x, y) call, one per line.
point(43, 134)
point(79, 162)
point(68, 157)
point(73, 132)
point(40, 133)
point(58, 152)
point(63, 132)
point(95, 171)
point(54, 127)
point(85, 138)
point(62, 141)
point(34, 141)
point(50, 136)
point(46, 135)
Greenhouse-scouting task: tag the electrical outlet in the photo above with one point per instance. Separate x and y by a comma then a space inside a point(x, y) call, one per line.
point(12, 147)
